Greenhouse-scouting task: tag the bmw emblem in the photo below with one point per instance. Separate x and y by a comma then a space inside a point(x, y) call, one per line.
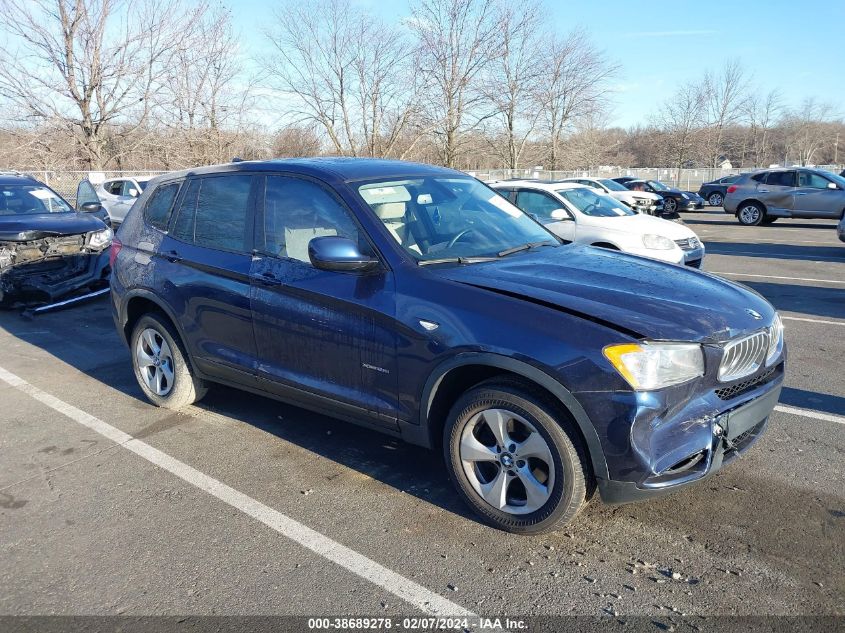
point(754, 314)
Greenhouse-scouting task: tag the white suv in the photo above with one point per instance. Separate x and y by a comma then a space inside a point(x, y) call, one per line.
point(643, 201)
point(581, 214)
point(117, 195)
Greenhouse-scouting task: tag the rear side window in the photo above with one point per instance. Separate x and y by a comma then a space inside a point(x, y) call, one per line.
point(214, 211)
point(781, 178)
point(537, 203)
point(158, 208)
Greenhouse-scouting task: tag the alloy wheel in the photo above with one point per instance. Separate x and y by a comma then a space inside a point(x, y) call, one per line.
point(507, 461)
point(155, 361)
point(749, 214)
point(715, 199)
point(670, 205)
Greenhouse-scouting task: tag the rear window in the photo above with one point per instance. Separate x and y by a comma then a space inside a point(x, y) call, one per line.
point(213, 212)
point(781, 178)
point(158, 208)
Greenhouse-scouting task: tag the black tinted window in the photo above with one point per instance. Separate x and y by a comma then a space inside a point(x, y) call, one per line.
point(759, 177)
point(296, 211)
point(781, 178)
point(159, 205)
point(213, 212)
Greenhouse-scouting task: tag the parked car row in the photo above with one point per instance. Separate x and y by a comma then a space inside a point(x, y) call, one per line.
point(417, 301)
point(578, 213)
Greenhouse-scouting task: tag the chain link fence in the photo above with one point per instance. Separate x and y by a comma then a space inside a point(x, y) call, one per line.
point(688, 179)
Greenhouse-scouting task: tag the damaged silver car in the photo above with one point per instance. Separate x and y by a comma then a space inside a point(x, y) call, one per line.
point(48, 249)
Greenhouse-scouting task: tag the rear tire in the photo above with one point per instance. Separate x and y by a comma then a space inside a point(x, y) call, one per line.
point(515, 459)
point(715, 199)
point(750, 214)
point(161, 365)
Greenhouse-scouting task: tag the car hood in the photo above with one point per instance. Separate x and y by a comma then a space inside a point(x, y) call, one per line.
point(21, 228)
point(640, 224)
point(641, 297)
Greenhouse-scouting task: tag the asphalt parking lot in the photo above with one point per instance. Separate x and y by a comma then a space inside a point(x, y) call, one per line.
point(246, 506)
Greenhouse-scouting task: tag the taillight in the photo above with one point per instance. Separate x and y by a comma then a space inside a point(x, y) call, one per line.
point(116, 245)
point(732, 188)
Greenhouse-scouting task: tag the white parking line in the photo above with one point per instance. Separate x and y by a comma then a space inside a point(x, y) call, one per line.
point(790, 318)
point(710, 251)
point(809, 413)
point(409, 591)
point(822, 281)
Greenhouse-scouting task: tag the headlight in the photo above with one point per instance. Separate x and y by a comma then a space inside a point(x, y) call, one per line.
point(775, 340)
point(100, 239)
point(657, 242)
point(648, 366)
point(685, 196)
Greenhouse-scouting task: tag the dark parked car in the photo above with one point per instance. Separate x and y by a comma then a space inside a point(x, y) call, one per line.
point(47, 249)
point(416, 301)
point(714, 191)
point(769, 194)
point(674, 200)
point(624, 180)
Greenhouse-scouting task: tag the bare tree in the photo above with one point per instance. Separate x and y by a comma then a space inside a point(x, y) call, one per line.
point(575, 84)
point(762, 114)
point(725, 95)
point(90, 66)
point(807, 129)
point(346, 71)
point(511, 82)
point(457, 39)
point(207, 94)
point(681, 120)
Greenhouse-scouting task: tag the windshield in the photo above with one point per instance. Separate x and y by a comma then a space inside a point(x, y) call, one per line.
point(657, 186)
point(613, 185)
point(30, 199)
point(597, 205)
point(436, 217)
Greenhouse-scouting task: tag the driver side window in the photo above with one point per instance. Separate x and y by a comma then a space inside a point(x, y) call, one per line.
point(811, 180)
point(538, 203)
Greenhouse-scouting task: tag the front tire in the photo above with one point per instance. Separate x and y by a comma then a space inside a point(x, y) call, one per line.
point(750, 214)
point(670, 205)
point(715, 199)
point(515, 459)
point(161, 365)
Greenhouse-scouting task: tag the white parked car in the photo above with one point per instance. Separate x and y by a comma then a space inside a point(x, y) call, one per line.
point(117, 195)
point(643, 201)
point(581, 214)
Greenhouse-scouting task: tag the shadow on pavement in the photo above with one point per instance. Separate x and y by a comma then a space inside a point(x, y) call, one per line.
point(821, 301)
point(777, 251)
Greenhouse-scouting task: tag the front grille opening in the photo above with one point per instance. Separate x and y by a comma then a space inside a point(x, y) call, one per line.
point(685, 464)
point(727, 393)
point(742, 441)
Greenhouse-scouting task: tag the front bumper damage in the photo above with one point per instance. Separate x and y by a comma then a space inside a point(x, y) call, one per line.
point(659, 448)
point(44, 270)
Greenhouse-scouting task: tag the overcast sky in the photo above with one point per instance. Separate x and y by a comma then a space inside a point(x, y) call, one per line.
point(795, 46)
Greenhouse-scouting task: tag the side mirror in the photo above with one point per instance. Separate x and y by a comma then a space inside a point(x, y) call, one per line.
point(559, 214)
point(133, 193)
point(91, 207)
point(832, 185)
point(339, 254)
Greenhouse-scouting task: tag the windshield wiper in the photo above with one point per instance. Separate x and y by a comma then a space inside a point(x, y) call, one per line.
point(455, 260)
point(524, 247)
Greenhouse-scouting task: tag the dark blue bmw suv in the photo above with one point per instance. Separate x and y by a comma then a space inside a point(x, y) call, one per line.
point(415, 300)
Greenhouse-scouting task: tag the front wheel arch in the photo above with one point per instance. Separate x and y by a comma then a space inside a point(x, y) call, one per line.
point(432, 415)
